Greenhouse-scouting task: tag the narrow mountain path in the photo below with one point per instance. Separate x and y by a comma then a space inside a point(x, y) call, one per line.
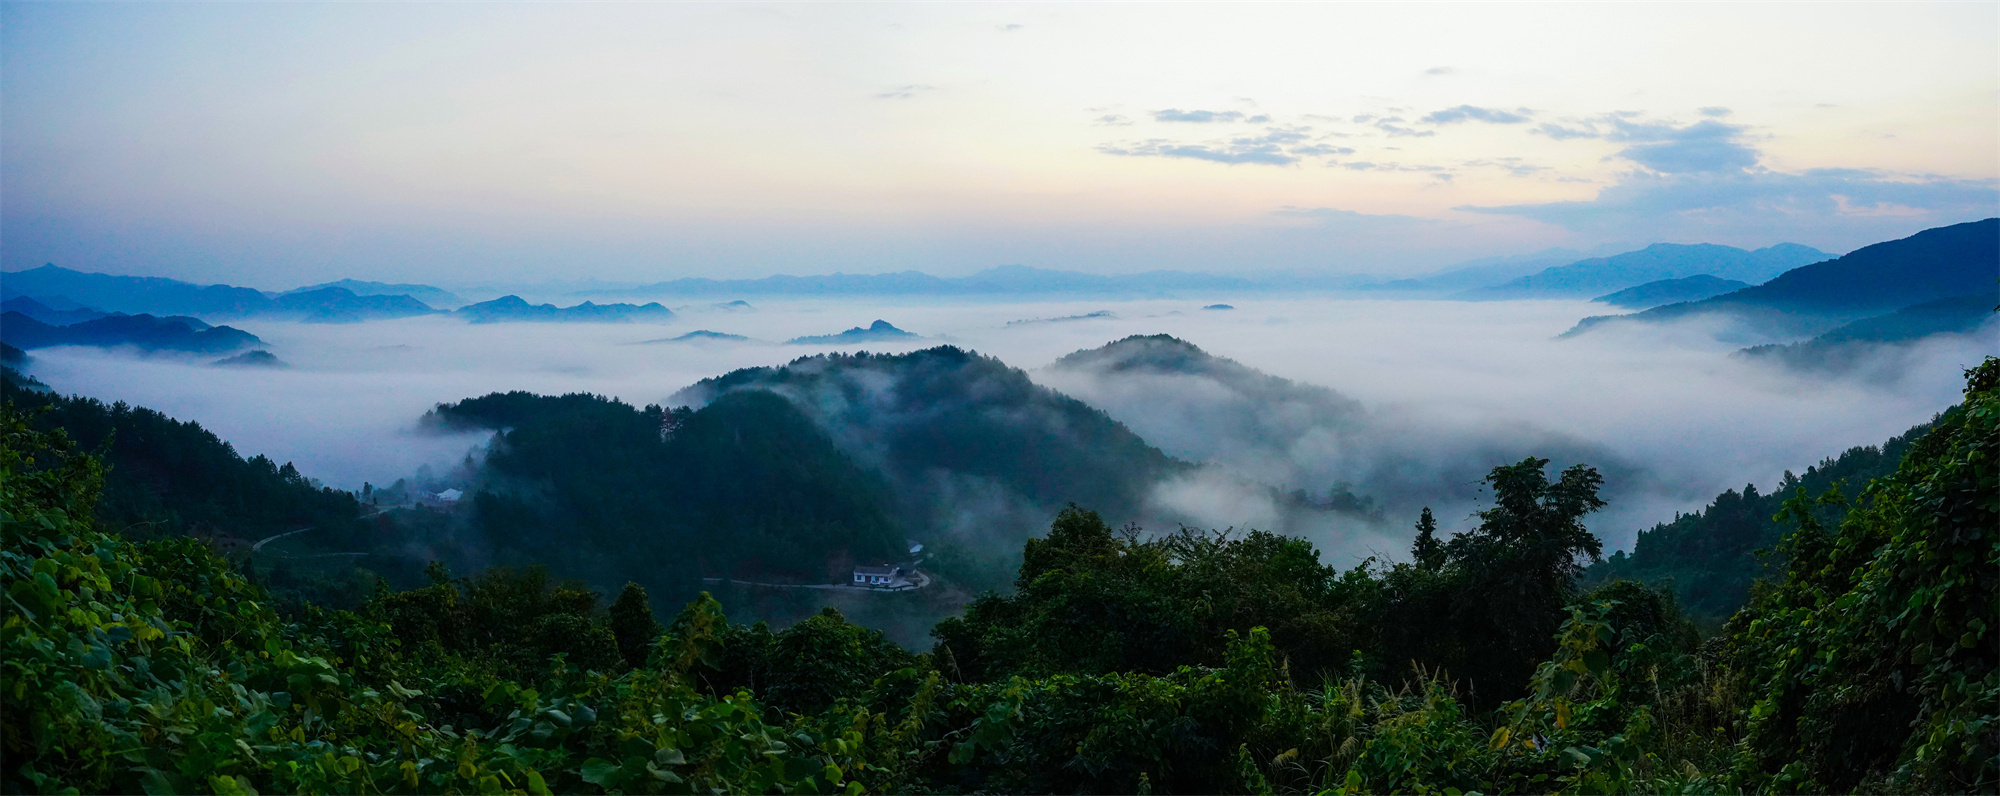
point(924, 581)
point(275, 537)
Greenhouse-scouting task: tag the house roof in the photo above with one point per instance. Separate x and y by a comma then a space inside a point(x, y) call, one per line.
point(450, 494)
point(884, 570)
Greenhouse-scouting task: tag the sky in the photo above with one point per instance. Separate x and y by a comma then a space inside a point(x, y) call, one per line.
point(281, 144)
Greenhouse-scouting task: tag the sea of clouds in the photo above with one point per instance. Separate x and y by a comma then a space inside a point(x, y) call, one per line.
point(1671, 417)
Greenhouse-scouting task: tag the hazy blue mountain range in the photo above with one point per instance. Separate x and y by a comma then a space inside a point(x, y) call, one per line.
point(48, 314)
point(515, 308)
point(700, 335)
point(1843, 347)
point(146, 332)
point(877, 332)
point(1490, 270)
point(1003, 280)
point(157, 296)
point(1672, 291)
point(1939, 263)
point(433, 296)
point(135, 294)
point(1600, 275)
point(1100, 315)
point(340, 305)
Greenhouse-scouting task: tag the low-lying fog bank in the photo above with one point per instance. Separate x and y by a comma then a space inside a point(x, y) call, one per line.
point(1679, 419)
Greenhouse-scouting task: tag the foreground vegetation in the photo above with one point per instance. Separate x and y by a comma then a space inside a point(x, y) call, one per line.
point(1189, 662)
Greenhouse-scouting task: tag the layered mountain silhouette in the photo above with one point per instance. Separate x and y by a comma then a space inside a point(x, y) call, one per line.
point(1671, 291)
point(1600, 275)
point(340, 305)
point(1002, 280)
point(166, 297)
point(1940, 263)
point(515, 308)
point(1844, 347)
point(54, 311)
point(144, 332)
point(1489, 271)
point(433, 296)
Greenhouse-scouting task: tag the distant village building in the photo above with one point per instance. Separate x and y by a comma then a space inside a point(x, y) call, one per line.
point(886, 576)
point(443, 500)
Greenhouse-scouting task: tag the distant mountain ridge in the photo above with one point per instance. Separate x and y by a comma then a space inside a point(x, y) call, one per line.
point(159, 296)
point(1840, 349)
point(1671, 291)
point(340, 305)
point(40, 311)
point(515, 308)
point(433, 296)
point(1006, 279)
point(1938, 263)
point(1659, 261)
point(1488, 270)
point(142, 331)
point(135, 294)
point(878, 332)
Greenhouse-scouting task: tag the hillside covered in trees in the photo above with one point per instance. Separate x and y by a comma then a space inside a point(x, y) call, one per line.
point(1709, 558)
point(625, 506)
point(1121, 663)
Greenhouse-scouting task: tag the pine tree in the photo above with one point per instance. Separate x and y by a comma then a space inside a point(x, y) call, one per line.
point(1427, 550)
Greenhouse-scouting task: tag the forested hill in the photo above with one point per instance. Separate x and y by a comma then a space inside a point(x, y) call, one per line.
point(167, 477)
point(1709, 558)
point(747, 486)
point(949, 426)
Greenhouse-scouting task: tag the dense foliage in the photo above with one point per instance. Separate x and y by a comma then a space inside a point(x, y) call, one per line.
point(1120, 665)
point(1709, 558)
point(1874, 662)
point(153, 667)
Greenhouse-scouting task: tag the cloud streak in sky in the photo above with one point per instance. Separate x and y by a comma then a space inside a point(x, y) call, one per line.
point(1470, 113)
point(1197, 116)
point(1277, 146)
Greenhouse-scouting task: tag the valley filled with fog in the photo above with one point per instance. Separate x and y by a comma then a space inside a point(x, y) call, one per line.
point(1426, 396)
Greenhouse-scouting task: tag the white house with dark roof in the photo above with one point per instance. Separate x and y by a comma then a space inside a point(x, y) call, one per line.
point(887, 577)
point(884, 576)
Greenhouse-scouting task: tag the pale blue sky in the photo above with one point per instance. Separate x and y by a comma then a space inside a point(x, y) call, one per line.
point(278, 144)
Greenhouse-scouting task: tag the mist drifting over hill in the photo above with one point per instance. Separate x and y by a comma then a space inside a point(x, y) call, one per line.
point(1402, 402)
